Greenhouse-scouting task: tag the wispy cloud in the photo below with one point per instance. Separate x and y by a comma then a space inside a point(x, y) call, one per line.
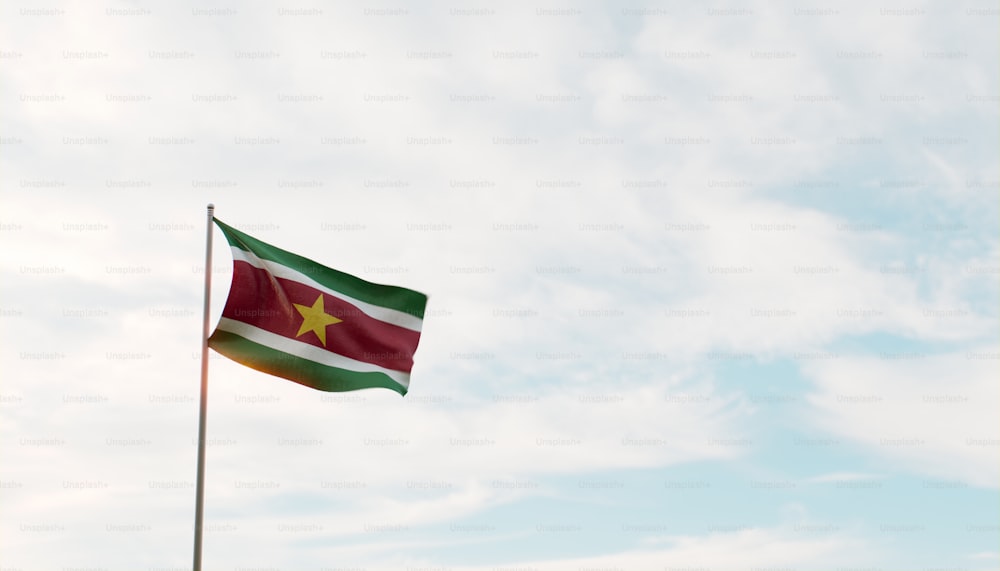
point(723, 249)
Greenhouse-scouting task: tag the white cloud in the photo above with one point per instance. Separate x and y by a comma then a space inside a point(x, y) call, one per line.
point(932, 414)
point(753, 548)
point(844, 477)
point(633, 269)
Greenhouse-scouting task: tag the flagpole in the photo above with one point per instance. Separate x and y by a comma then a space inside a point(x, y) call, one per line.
point(199, 502)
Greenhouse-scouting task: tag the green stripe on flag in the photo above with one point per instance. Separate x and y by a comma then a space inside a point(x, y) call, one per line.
point(393, 297)
point(302, 371)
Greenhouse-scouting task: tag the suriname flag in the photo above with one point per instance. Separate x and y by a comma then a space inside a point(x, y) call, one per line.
point(293, 318)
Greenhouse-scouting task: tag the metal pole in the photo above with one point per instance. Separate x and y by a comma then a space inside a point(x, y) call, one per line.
point(199, 502)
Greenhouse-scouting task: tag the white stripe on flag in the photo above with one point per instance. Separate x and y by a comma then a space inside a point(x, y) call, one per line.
point(307, 351)
point(385, 314)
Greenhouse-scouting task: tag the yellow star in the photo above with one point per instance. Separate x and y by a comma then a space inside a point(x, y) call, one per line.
point(315, 319)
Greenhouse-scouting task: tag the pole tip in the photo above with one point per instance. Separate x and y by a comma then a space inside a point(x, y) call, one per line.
point(211, 206)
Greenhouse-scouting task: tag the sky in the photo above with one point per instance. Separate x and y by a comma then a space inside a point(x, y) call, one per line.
point(711, 286)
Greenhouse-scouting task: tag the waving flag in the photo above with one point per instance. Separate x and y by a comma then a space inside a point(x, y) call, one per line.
point(293, 318)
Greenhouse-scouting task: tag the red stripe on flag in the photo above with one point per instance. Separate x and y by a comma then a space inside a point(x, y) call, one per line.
point(260, 299)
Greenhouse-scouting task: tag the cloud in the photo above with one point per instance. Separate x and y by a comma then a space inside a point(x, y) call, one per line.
point(844, 477)
point(753, 548)
point(607, 206)
point(930, 413)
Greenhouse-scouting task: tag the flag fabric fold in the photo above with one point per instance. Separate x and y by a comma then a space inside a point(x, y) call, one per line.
point(291, 317)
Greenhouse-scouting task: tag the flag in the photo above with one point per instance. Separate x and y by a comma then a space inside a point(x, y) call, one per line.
point(291, 317)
